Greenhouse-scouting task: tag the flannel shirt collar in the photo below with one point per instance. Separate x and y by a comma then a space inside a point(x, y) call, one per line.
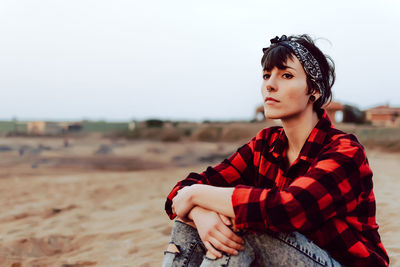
point(313, 144)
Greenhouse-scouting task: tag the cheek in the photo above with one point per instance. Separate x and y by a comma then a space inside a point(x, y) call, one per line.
point(298, 92)
point(263, 90)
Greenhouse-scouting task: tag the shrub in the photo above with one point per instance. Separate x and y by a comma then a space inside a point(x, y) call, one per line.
point(237, 134)
point(207, 134)
point(171, 135)
point(154, 123)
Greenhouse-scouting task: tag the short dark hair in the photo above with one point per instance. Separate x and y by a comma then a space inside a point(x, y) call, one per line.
point(277, 55)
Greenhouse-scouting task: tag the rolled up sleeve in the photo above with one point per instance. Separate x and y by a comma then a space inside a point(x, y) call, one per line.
point(237, 169)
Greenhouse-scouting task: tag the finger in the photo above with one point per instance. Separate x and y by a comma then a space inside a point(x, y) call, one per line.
point(212, 250)
point(226, 231)
point(225, 219)
point(220, 246)
point(226, 241)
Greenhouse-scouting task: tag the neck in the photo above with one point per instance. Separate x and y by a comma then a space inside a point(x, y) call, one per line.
point(298, 128)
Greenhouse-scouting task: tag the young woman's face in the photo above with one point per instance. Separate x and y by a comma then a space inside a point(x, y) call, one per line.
point(285, 91)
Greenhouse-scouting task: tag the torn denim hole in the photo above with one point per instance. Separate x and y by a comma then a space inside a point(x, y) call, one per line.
point(172, 248)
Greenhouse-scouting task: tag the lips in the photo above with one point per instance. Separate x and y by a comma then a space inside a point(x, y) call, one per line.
point(271, 99)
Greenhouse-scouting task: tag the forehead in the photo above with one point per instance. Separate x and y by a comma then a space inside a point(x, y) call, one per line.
point(294, 63)
point(290, 64)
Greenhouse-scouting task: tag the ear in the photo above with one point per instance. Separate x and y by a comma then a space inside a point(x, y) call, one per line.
point(316, 95)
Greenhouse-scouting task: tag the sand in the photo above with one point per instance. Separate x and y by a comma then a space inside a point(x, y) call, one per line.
point(100, 202)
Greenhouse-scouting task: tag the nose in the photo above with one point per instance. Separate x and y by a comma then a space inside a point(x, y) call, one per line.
point(270, 84)
point(270, 87)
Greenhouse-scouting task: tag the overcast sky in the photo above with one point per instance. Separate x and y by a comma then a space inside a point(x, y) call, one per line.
point(181, 59)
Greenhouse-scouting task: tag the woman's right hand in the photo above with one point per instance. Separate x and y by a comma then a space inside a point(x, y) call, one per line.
point(214, 232)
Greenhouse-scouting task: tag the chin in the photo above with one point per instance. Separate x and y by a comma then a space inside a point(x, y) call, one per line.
point(275, 114)
point(272, 116)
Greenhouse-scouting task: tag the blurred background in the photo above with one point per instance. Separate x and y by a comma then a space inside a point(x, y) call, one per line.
point(107, 104)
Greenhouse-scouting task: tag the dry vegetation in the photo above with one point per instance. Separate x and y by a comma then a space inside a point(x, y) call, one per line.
point(387, 139)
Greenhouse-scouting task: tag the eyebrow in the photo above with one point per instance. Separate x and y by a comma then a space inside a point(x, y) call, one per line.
point(286, 67)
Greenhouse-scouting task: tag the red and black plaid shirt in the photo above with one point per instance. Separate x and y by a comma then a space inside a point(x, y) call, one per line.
point(326, 193)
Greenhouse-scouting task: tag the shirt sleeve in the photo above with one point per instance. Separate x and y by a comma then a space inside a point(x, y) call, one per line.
point(237, 169)
point(331, 186)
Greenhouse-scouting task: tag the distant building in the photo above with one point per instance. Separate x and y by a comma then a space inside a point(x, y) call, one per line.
point(43, 127)
point(259, 114)
point(384, 116)
point(52, 128)
point(132, 125)
point(335, 111)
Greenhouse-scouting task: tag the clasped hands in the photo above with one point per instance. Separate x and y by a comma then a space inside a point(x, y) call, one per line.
point(183, 202)
point(213, 228)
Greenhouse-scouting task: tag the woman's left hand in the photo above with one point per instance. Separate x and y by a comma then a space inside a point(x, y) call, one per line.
point(182, 203)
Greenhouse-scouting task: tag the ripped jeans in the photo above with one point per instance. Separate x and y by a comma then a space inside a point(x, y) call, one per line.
point(260, 249)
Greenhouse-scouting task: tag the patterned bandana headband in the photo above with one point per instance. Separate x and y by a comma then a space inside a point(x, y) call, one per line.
point(310, 64)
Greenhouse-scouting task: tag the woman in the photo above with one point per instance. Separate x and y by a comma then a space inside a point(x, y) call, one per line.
point(296, 195)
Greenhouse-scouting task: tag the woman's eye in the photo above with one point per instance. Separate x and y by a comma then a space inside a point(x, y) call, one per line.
point(266, 76)
point(288, 76)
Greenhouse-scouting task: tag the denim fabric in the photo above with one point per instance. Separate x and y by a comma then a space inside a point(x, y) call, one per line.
point(260, 249)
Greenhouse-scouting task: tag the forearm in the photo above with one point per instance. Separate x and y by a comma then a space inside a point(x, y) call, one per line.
point(194, 214)
point(195, 211)
point(214, 198)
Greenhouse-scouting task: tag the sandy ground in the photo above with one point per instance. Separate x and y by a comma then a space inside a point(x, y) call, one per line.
point(100, 202)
